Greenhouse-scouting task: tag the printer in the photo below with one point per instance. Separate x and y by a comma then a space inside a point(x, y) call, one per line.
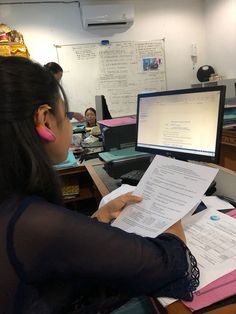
point(119, 153)
point(118, 137)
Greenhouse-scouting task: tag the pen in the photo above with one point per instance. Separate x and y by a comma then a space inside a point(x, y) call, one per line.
point(228, 199)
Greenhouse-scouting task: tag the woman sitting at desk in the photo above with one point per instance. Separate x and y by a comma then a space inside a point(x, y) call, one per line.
point(90, 117)
point(51, 255)
point(91, 121)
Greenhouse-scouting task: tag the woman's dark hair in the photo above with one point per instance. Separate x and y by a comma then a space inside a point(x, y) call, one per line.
point(106, 112)
point(93, 110)
point(25, 168)
point(53, 67)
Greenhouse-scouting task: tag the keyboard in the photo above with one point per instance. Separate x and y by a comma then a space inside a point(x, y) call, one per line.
point(133, 177)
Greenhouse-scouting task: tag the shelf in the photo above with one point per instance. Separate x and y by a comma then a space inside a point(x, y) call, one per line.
point(85, 193)
point(229, 83)
point(72, 170)
point(88, 197)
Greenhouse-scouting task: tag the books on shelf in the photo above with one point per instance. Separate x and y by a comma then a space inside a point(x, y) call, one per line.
point(229, 113)
point(70, 191)
point(70, 187)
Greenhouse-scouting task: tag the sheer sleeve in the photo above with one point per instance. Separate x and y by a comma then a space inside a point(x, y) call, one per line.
point(51, 241)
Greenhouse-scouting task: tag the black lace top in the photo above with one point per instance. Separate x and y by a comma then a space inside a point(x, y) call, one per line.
point(49, 255)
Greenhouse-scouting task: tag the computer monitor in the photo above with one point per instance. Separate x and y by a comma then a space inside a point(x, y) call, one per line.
point(185, 124)
point(102, 111)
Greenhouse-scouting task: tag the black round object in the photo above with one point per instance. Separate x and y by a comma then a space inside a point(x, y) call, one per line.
point(204, 73)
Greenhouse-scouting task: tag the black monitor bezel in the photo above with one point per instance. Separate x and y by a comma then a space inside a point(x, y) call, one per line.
point(180, 155)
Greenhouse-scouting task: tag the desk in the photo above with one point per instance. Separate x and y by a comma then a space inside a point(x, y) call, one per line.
point(179, 308)
point(91, 188)
point(225, 184)
point(104, 183)
point(225, 179)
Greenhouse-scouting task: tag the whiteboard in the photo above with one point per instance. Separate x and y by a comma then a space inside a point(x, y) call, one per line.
point(119, 71)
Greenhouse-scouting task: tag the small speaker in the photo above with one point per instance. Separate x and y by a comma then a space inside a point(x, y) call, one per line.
point(204, 73)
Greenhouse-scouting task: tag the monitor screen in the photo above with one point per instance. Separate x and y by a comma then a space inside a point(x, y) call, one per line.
point(185, 124)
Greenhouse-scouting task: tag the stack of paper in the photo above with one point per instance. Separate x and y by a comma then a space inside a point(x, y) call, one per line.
point(219, 238)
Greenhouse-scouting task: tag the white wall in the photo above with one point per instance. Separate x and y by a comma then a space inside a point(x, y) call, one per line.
point(180, 22)
point(220, 16)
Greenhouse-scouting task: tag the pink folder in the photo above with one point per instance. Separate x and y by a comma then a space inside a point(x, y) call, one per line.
point(218, 290)
point(118, 121)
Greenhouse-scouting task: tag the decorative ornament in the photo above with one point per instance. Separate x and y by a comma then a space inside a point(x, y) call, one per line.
point(12, 42)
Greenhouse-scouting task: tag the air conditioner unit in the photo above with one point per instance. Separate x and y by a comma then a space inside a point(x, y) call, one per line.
point(107, 15)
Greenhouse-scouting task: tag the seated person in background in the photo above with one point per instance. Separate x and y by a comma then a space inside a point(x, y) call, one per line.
point(90, 117)
point(91, 122)
point(50, 256)
point(57, 72)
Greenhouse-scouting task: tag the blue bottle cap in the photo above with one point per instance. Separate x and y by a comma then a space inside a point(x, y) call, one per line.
point(105, 42)
point(215, 217)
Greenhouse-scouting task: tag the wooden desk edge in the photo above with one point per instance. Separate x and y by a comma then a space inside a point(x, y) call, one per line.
point(179, 308)
point(96, 179)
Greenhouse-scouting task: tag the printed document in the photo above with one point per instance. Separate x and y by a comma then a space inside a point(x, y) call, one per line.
point(170, 189)
point(211, 238)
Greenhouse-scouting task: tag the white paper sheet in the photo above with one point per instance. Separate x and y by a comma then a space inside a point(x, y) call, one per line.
point(170, 188)
point(214, 202)
point(211, 237)
point(124, 188)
